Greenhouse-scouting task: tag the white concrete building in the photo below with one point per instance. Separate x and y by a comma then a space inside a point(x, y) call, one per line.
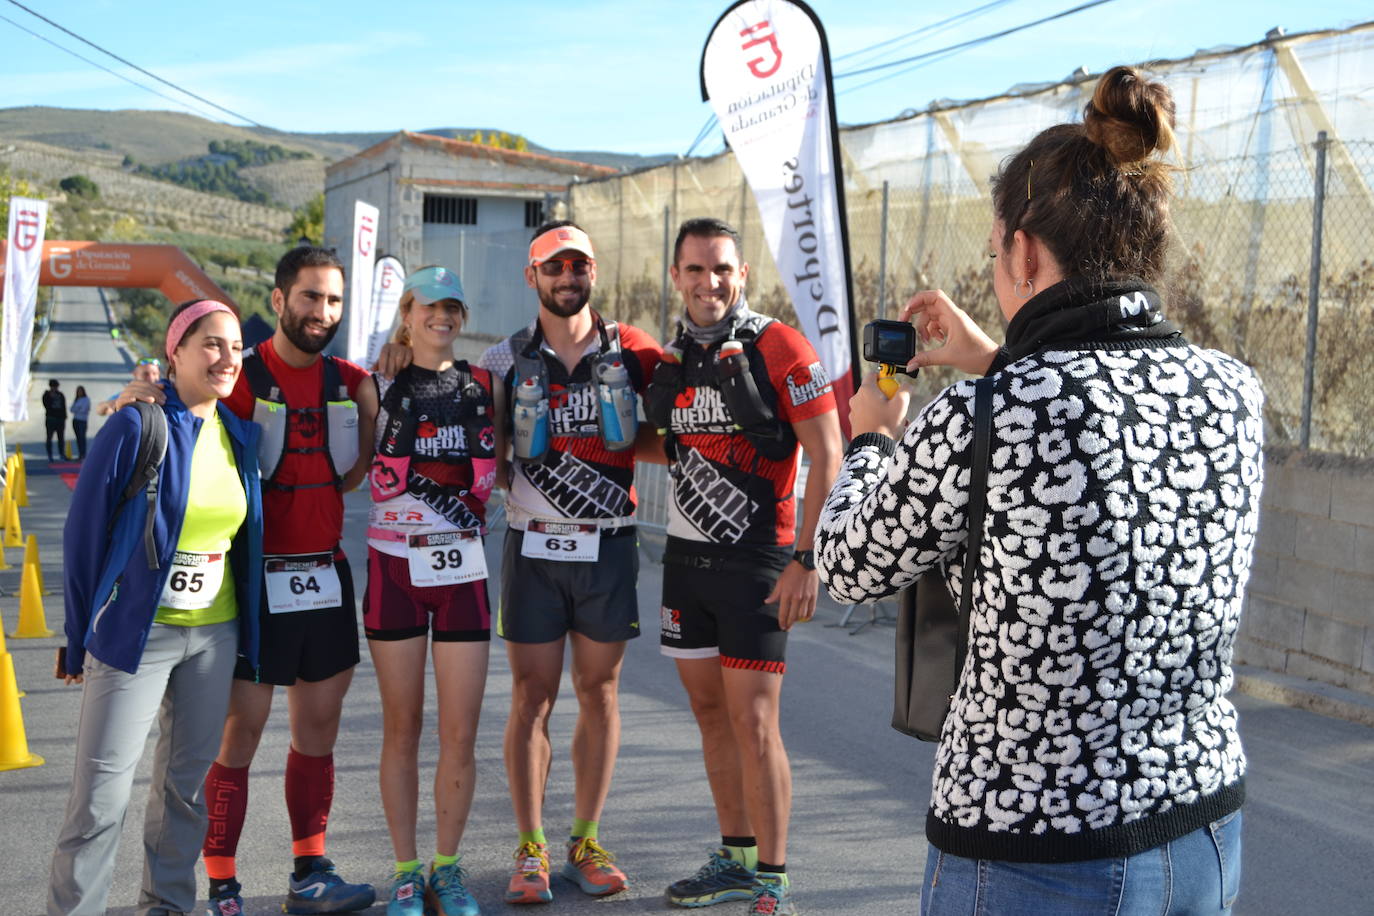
point(462, 205)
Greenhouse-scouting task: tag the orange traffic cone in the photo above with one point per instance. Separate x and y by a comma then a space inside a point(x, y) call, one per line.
point(31, 559)
point(14, 535)
point(14, 745)
point(31, 622)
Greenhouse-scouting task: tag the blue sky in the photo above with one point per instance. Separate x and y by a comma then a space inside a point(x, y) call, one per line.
point(577, 74)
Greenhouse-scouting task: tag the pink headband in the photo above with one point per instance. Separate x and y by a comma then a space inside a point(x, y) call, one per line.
point(189, 316)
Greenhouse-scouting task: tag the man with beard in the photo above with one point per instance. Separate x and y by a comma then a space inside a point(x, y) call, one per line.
point(736, 394)
point(570, 559)
point(309, 456)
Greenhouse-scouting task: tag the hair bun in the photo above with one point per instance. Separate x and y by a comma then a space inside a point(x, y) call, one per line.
point(1130, 117)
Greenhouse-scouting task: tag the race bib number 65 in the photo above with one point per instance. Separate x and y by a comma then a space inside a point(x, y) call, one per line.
point(566, 542)
point(301, 582)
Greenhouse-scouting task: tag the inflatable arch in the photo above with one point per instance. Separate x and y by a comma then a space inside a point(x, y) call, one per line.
point(165, 268)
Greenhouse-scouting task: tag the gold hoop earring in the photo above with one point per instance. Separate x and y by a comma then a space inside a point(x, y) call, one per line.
point(1030, 288)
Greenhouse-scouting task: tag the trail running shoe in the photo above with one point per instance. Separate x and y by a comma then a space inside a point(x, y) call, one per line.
point(589, 867)
point(226, 900)
point(771, 897)
point(323, 891)
point(407, 893)
point(530, 883)
point(448, 892)
point(719, 880)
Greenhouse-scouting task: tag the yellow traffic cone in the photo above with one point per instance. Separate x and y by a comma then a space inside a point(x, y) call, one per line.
point(5, 651)
point(14, 745)
point(31, 559)
point(14, 535)
point(31, 622)
point(21, 492)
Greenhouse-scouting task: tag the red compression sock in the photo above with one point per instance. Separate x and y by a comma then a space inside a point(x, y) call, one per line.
point(226, 797)
point(309, 793)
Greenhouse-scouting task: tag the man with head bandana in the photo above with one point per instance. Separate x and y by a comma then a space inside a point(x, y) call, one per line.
point(570, 559)
point(735, 394)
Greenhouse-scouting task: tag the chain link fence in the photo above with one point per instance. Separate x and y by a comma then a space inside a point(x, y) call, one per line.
point(1243, 263)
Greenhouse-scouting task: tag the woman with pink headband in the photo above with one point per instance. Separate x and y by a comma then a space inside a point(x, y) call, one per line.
point(161, 579)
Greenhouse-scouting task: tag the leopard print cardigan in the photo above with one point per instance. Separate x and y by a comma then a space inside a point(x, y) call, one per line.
point(1091, 718)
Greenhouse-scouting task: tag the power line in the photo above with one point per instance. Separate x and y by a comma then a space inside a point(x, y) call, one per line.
point(135, 66)
point(932, 28)
point(973, 42)
point(101, 66)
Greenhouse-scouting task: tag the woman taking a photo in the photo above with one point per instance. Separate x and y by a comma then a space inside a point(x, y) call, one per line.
point(1090, 761)
point(435, 464)
point(157, 609)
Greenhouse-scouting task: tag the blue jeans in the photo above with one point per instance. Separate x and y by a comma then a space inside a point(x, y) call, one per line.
point(1195, 874)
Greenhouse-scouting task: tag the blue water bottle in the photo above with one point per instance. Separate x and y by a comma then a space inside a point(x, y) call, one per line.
point(531, 415)
point(617, 405)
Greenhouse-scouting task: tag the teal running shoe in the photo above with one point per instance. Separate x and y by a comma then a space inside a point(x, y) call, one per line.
point(449, 893)
point(771, 897)
point(407, 893)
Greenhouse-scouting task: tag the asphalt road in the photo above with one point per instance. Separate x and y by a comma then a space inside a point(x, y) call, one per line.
point(860, 788)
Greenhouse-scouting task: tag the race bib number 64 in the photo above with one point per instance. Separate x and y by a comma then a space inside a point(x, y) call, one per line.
point(301, 582)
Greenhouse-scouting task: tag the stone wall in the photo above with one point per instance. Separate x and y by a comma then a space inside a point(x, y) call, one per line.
point(1310, 606)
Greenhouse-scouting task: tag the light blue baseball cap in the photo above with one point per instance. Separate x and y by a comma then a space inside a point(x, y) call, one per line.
point(430, 284)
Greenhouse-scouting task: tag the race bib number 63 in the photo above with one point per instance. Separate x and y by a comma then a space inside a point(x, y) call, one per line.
point(566, 542)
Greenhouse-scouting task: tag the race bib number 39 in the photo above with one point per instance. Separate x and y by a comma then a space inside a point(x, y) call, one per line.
point(445, 558)
point(566, 542)
point(194, 581)
point(302, 582)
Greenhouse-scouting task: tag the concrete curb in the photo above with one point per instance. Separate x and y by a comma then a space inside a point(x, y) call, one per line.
point(1314, 696)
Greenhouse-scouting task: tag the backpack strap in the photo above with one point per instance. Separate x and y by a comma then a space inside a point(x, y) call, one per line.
point(147, 473)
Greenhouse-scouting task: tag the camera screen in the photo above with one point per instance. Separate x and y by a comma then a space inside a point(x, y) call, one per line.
point(892, 340)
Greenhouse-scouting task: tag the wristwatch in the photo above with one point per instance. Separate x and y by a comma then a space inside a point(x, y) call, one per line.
point(807, 558)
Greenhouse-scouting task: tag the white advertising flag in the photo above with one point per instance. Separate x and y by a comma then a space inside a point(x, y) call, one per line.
point(387, 279)
point(365, 217)
point(23, 261)
point(766, 71)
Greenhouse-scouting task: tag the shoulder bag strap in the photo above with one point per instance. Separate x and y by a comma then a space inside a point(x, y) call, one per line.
point(977, 504)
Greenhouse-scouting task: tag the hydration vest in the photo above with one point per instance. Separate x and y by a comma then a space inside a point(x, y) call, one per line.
point(272, 413)
point(391, 472)
point(753, 411)
point(531, 364)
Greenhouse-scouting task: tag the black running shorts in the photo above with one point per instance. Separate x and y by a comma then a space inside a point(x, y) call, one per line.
point(307, 645)
point(541, 600)
point(713, 604)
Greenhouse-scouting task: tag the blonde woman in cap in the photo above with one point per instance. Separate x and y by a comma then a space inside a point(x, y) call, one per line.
point(437, 444)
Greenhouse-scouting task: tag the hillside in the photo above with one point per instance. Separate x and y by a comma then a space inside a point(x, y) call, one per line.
point(158, 137)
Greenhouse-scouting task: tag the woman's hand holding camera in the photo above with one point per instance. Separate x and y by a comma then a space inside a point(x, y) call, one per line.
point(871, 411)
point(937, 318)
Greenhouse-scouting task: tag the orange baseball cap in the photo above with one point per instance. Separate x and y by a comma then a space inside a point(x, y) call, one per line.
point(558, 240)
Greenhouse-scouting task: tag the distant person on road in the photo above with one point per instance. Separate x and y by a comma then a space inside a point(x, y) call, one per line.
point(1090, 761)
point(738, 573)
point(55, 419)
point(310, 454)
point(147, 369)
point(81, 414)
point(156, 636)
point(440, 430)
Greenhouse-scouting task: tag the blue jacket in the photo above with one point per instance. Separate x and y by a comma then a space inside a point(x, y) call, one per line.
point(111, 594)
